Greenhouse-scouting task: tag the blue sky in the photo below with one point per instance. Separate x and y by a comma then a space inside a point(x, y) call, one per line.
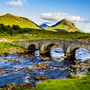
point(51, 11)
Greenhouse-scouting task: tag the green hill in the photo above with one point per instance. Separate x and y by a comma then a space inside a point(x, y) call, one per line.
point(64, 26)
point(22, 22)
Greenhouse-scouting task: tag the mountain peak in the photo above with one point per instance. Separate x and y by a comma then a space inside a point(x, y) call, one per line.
point(10, 19)
point(64, 25)
point(44, 25)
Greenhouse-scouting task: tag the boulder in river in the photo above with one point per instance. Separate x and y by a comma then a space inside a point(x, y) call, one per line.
point(38, 66)
point(37, 78)
point(2, 71)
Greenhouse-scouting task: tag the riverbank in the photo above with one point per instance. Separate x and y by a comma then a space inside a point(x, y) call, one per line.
point(57, 84)
point(8, 48)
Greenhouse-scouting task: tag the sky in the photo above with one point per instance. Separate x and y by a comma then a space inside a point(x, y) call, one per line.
point(50, 11)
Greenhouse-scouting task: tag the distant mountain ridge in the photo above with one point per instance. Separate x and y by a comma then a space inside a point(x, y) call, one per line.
point(10, 19)
point(64, 25)
point(44, 25)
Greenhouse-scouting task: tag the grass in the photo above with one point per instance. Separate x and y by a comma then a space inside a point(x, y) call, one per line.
point(63, 25)
point(42, 34)
point(4, 47)
point(63, 84)
point(22, 22)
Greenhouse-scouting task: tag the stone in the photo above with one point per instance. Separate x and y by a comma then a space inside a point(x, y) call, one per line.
point(46, 59)
point(38, 66)
point(2, 71)
point(8, 85)
point(2, 85)
point(45, 77)
point(18, 61)
point(5, 58)
point(9, 60)
point(13, 84)
point(37, 78)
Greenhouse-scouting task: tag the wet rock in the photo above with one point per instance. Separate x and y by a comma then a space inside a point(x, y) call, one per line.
point(45, 77)
point(69, 69)
point(13, 85)
point(9, 60)
point(2, 85)
point(21, 57)
point(5, 58)
point(2, 71)
point(25, 85)
point(8, 85)
point(46, 59)
point(37, 78)
point(38, 66)
point(25, 55)
point(32, 81)
point(18, 61)
point(16, 70)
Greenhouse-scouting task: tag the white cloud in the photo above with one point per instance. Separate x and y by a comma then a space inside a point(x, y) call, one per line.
point(15, 3)
point(81, 23)
point(84, 27)
point(59, 16)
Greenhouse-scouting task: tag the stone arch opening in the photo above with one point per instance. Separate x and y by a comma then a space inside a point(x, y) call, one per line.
point(32, 48)
point(51, 47)
point(73, 51)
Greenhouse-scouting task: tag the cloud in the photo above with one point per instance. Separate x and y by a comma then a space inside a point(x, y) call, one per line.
point(55, 17)
point(15, 3)
point(84, 27)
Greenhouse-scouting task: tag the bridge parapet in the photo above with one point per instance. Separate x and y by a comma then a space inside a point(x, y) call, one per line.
point(48, 43)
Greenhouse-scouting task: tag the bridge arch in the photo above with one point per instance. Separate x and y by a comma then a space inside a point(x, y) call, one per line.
point(32, 47)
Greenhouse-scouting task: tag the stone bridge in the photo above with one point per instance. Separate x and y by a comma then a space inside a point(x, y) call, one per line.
point(68, 46)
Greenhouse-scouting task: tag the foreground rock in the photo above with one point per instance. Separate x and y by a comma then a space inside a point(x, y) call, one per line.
point(38, 66)
point(81, 68)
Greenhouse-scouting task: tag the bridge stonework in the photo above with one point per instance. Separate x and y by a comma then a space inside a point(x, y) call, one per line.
point(46, 44)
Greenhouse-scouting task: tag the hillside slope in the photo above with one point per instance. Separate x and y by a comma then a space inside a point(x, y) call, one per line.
point(10, 19)
point(64, 26)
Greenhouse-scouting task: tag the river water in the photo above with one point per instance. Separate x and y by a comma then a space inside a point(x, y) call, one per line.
point(15, 71)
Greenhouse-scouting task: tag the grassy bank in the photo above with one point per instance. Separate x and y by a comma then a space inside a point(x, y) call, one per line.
point(5, 46)
point(63, 84)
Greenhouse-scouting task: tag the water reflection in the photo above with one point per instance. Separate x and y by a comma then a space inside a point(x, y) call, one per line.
point(82, 54)
point(57, 53)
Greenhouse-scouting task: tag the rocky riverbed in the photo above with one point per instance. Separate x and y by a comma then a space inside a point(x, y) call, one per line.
point(26, 68)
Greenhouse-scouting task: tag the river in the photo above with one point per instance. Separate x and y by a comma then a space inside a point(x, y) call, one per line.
point(16, 71)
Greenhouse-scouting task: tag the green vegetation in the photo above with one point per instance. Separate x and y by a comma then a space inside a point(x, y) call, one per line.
point(22, 22)
point(6, 46)
point(71, 77)
point(63, 84)
point(16, 33)
point(64, 26)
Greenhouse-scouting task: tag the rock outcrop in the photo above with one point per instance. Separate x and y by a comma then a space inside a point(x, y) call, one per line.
point(81, 68)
